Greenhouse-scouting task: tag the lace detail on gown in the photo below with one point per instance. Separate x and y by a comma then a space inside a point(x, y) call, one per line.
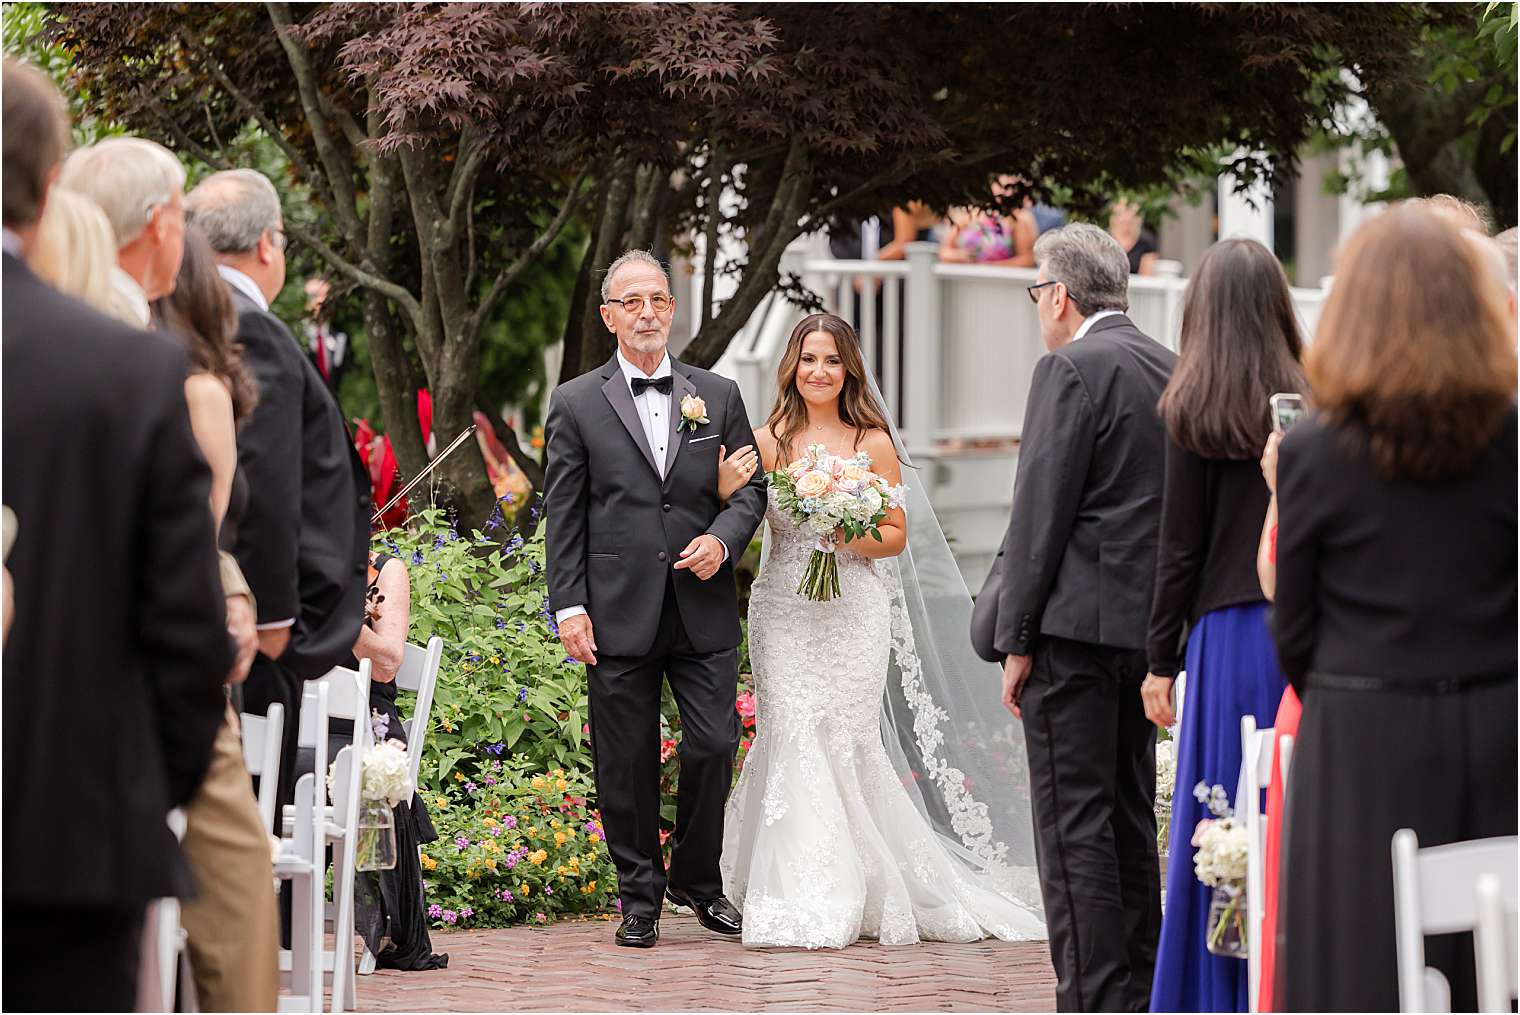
point(822, 843)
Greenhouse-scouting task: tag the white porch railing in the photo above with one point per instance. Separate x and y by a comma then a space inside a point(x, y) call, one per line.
point(953, 347)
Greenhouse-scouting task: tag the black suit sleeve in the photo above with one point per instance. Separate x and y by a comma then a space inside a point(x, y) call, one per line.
point(1054, 453)
point(1179, 561)
point(565, 486)
point(180, 608)
point(738, 519)
point(269, 453)
point(1295, 611)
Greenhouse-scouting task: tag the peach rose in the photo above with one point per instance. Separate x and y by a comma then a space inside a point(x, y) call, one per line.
point(855, 473)
point(796, 469)
point(693, 408)
point(814, 484)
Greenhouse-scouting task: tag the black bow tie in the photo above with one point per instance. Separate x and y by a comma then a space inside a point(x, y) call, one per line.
point(642, 384)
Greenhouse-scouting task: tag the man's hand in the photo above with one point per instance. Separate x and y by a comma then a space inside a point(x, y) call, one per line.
point(579, 640)
point(1015, 675)
point(702, 556)
point(274, 641)
point(1156, 693)
point(240, 624)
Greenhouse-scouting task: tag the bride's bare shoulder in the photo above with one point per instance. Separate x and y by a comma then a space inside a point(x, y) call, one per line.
point(765, 443)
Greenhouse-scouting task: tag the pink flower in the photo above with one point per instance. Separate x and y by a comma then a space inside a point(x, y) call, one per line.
point(814, 484)
point(746, 704)
point(1202, 826)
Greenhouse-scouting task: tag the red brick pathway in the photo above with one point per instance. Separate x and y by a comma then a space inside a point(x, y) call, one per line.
point(576, 967)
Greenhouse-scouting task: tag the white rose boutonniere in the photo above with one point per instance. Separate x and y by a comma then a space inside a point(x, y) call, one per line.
point(693, 412)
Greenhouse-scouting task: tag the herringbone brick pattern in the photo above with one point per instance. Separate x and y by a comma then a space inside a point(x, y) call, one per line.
point(576, 967)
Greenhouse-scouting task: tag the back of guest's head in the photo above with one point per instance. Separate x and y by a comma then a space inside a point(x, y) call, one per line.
point(1089, 262)
point(1414, 351)
point(1462, 213)
point(234, 208)
point(75, 252)
point(128, 177)
point(1240, 344)
point(200, 312)
point(36, 135)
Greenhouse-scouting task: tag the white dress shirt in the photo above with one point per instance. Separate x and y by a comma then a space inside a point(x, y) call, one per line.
point(1094, 319)
point(243, 284)
point(132, 297)
point(654, 413)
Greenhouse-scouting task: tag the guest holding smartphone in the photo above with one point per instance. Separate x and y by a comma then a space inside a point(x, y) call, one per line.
point(1240, 344)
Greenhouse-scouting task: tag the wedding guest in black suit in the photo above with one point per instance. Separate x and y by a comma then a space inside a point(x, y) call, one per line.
point(1072, 598)
point(114, 669)
point(1396, 599)
point(303, 539)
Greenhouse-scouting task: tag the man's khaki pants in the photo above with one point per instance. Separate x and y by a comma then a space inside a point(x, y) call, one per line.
point(233, 924)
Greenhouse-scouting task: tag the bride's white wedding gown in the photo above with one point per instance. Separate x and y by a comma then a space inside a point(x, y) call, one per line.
point(822, 844)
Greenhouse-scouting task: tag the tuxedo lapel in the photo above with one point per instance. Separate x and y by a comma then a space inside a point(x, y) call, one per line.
point(621, 399)
point(680, 390)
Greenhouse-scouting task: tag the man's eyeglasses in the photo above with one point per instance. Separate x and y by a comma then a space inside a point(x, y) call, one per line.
point(1034, 290)
point(634, 305)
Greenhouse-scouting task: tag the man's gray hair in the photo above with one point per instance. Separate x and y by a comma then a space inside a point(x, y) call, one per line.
point(631, 257)
point(127, 177)
point(234, 208)
point(1090, 262)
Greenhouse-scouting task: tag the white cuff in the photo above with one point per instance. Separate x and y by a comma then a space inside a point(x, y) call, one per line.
point(275, 625)
point(560, 616)
point(725, 548)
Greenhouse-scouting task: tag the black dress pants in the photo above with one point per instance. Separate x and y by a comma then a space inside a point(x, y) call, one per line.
point(69, 958)
point(1372, 757)
point(1092, 771)
point(625, 747)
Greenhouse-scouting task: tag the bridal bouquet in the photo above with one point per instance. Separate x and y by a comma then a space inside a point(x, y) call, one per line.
point(1221, 863)
point(829, 494)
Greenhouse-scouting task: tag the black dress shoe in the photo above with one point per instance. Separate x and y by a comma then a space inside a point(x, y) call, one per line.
point(716, 914)
point(638, 932)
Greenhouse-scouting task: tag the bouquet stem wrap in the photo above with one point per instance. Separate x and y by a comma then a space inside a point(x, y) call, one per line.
point(820, 582)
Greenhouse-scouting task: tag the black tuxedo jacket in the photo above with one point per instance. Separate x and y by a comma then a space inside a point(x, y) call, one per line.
point(615, 528)
point(303, 541)
point(114, 668)
point(1079, 558)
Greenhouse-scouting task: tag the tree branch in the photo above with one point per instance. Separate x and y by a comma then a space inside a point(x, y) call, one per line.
point(390, 290)
point(520, 264)
point(710, 236)
point(339, 167)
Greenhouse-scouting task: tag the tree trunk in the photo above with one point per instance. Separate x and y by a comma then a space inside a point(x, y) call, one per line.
point(396, 384)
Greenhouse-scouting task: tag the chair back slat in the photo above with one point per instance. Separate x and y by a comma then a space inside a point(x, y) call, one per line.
point(344, 700)
point(261, 754)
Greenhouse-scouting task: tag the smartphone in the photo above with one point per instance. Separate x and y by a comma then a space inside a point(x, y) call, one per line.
point(1286, 408)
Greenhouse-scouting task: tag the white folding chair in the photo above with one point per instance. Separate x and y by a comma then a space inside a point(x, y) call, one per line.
point(302, 858)
point(419, 674)
point(261, 753)
point(1255, 775)
point(1435, 892)
point(1494, 943)
point(164, 961)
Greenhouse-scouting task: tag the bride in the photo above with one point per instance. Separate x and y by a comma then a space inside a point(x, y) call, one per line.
point(858, 813)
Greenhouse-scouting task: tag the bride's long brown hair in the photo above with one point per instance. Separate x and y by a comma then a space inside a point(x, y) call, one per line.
point(857, 409)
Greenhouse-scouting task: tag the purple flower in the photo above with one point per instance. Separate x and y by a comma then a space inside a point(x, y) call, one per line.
point(510, 821)
point(449, 916)
point(496, 766)
point(497, 747)
point(522, 695)
point(504, 895)
point(435, 911)
point(548, 890)
point(501, 625)
point(466, 913)
point(470, 787)
point(438, 543)
point(490, 781)
point(539, 917)
point(617, 904)
point(496, 831)
point(462, 841)
point(416, 557)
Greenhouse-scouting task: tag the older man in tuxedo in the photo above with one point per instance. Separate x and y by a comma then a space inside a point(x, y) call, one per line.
point(1072, 595)
point(114, 669)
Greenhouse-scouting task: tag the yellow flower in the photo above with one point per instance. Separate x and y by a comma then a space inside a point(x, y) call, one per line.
point(558, 771)
point(554, 823)
point(428, 863)
point(459, 777)
point(538, 857)
point(442, 803)
point(473, 873)
point(495, 660)
point(491, 862)
point(489, 822)
point(538, 782)
point(448, 727)
point(575, 863)
point(559, 838)
point(532, 831)
point(592, 886)
point(569, 832)
point(560, 870)
point(524, 889)
point(563, 785)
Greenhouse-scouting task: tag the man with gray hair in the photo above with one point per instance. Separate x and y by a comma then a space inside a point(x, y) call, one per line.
point(140, 186)
point(1066, 611)
point(303, 538)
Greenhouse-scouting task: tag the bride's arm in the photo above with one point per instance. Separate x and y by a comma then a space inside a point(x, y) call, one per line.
point(894, 529)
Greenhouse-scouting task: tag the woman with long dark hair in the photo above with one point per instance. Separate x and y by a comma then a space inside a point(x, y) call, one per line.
point(1396, 601)
point(1239, 345)
point(823, 843)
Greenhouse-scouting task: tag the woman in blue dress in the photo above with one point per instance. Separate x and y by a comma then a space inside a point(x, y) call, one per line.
point(1239, 345)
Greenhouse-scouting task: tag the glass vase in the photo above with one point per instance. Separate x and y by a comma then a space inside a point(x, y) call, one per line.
point(1227, 922)
point(375, 847)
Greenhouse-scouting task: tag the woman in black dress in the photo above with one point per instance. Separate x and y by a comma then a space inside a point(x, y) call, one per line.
point(1396, 600)
point(390, 913)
